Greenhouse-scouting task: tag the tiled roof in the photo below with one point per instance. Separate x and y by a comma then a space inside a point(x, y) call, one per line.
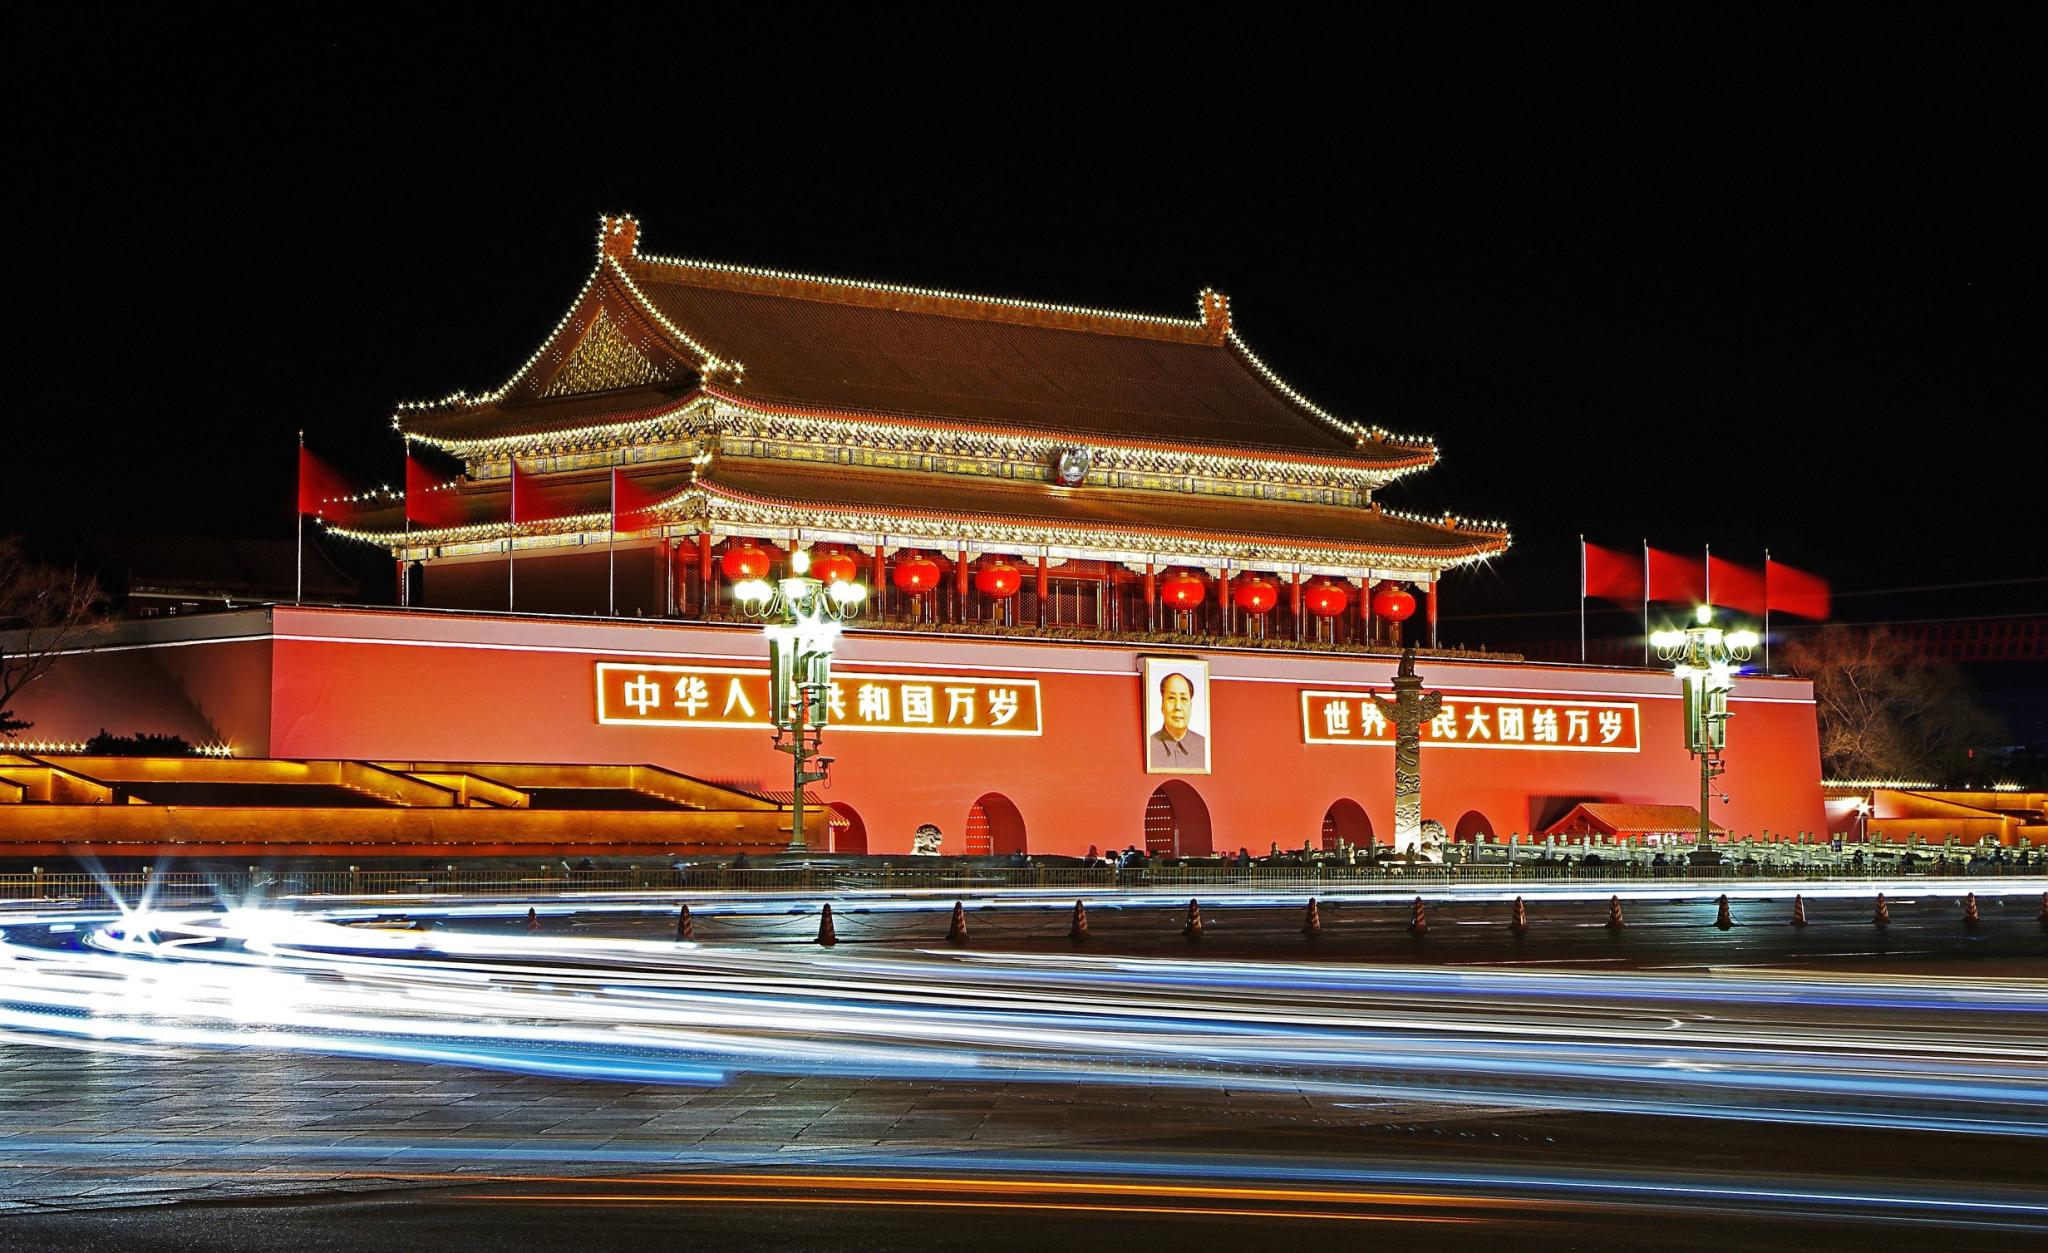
point(794, 342)
point(808, 492)
point(806, 488)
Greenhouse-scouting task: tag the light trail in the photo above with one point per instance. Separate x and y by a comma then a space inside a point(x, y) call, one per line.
point(1952, 1055)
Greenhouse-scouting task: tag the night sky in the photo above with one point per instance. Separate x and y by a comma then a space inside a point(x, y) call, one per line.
point(1578, 257)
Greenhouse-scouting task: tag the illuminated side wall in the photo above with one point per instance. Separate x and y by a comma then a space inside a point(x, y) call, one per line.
point(204, 678)
point(370, 685)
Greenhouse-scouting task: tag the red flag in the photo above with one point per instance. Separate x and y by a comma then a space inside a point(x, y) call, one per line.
point(1674, 579)
point(629, 497)
point(1736, 587)
point(1610, 575)
point(1795, 592)
point(320, 485)
point(531, 502)
point(429, 499)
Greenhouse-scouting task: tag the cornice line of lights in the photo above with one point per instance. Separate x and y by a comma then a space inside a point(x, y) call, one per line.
point(678, 417)
point(711, 362)
point(1907, 785)
point(1356, 430)
point(696, 501)
point(461, 397)
point(79, 748)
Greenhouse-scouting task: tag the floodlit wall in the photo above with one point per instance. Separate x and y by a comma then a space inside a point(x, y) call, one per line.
point(373, 685)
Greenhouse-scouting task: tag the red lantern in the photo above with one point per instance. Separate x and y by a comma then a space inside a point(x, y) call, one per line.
point(916, 574)
point(1182, 591)
point(1394, 603)
point(998, 579)
point(835, 567)
point(744, 562)
point(1325, 600)
point(1256, 596)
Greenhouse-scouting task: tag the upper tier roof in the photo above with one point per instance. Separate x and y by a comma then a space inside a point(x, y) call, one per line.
point(789, 342)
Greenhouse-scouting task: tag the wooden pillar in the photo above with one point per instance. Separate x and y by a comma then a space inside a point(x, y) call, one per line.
point(1429, 601)
point(664, 577)
point(1151, 597)
point(960, 585)
point(1294, 603)
point(1109, 612)
point(1041, 589)
point(707, 581)
point(1223, 605)
point(881, 578)
point(1365, 608)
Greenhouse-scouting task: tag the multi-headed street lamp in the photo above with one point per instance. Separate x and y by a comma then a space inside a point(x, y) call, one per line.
point(803, 616)
point(1705, 658)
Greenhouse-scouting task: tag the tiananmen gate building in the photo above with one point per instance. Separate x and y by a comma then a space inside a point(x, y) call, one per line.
point(1082, 531)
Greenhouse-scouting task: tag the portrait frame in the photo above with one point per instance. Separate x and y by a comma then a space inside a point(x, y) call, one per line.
point(1153, 672)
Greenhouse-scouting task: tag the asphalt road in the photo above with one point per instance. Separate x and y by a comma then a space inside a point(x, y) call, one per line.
point(261, 1084)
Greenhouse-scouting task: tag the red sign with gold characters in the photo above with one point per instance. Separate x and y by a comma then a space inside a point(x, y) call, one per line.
point(1570, 726)
point(715, 696)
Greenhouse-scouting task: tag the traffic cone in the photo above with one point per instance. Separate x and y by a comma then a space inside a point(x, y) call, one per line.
point(957, 933)
point(532, 920)
point(1883, 916)
point(1798, 911)
point(1080, 927)
point(1519, 922)
point(1312, 919)
point(686, 926)
point(826, 935)
point(1193, 931)
point(1614, 918)
point(1970, 918)
point(1722, 918)
point(1419, 922)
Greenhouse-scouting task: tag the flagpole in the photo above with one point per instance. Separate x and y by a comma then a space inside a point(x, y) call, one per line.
point(611, 555)
point(1707, 571)
point(299, 512)
point(1767, 611)
point(511, 559)
point(1582, 598)
point(1646, 600)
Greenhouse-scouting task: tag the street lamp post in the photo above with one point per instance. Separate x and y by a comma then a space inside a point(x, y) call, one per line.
point(803, 616)
point(1704, 660)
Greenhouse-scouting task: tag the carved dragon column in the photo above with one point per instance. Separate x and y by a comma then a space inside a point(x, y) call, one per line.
point(1407, 711)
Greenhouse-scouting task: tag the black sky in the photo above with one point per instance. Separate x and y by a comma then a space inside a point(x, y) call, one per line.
point(1571, 254)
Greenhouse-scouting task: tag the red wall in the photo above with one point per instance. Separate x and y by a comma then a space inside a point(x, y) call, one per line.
point(364, 684)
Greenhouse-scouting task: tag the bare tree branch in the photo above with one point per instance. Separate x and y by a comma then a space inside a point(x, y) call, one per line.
point(44, 610)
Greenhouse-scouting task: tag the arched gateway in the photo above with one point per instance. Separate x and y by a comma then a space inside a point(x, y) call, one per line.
point(1346, 821)
point(994, 827)
point(1177, 822)
point(849, 833)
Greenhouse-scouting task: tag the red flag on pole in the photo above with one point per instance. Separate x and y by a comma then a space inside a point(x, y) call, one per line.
point(629, 498)
point(430, 500)
point(1795, 592)
point(321, 486)
point(1736, 587)
point(1609, 575)
point(532, 502)
point(1674, 579)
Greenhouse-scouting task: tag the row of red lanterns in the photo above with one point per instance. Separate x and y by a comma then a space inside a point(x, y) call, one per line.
point(1323, 598)
point(1001, 580)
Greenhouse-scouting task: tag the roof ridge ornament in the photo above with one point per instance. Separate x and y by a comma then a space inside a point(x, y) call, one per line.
point(618, 236)
point(1215, 308)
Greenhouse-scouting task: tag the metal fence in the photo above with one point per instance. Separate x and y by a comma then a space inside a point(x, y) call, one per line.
point(231, 888)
